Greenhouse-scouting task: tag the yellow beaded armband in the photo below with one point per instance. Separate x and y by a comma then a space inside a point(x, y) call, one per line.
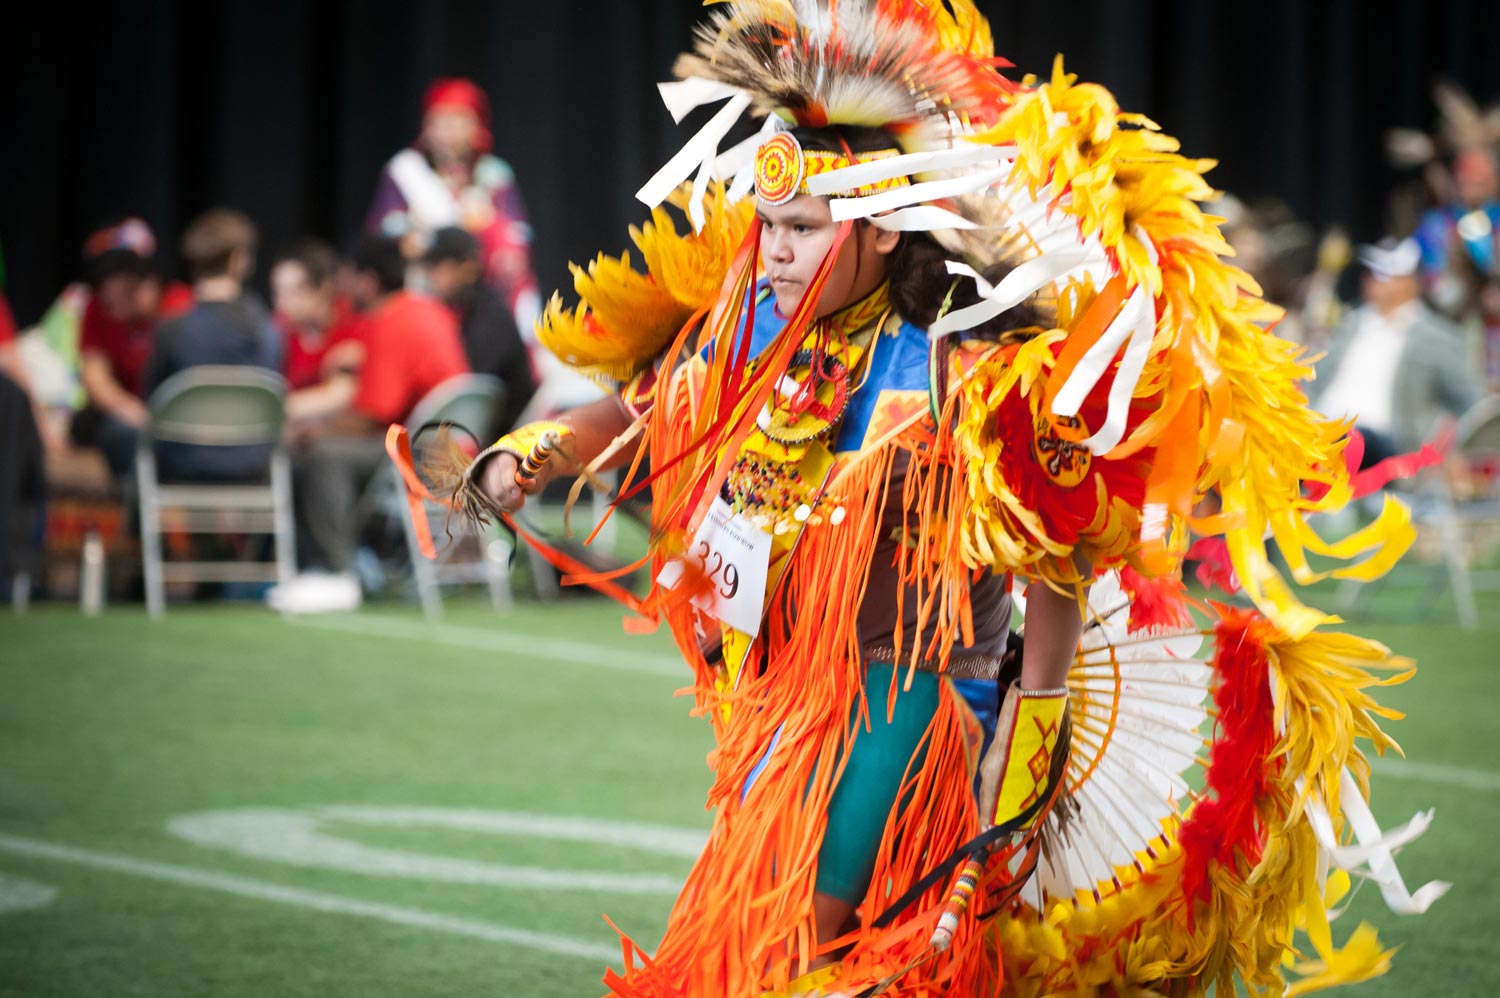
point(531, 445)
point(1026, 756)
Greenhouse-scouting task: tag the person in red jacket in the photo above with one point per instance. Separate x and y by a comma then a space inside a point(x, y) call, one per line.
point(412, 345)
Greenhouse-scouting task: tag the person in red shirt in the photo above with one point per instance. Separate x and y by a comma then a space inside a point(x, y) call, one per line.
point(324, 343)
point(412, 345)
point(115, 337)
point(320, 325)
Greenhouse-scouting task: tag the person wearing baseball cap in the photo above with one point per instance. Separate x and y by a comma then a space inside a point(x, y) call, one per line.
point(116, 335)
point(1394, 366)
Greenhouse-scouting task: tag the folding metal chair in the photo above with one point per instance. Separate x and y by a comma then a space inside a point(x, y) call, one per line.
point(1454, 523)
point(465, 555)
point(215, 406)
point(1461, 520)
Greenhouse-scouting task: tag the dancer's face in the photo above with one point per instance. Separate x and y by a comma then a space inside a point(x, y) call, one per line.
point(796, 236)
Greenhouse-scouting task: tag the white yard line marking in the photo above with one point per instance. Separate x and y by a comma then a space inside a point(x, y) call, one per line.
point(1431, 772)
point(298, 838)
point(20, 894)
point(509, 643)
point(315, 900)
point(661, 839)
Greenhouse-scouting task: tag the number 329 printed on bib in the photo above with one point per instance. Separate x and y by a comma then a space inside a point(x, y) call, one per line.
point(734, 557)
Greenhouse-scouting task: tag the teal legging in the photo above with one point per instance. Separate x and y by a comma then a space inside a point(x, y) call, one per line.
point(867, 791)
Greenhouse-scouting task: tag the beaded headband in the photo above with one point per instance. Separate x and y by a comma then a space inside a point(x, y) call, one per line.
point(782, 169)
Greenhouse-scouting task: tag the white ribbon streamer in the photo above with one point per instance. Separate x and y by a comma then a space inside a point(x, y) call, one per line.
point(875, 170)
point(684, 96)
point(921, 218)
point(743, 181)
point(696, 213)
point(700, 149)
point(744, 171)
point(737, 157)
point(1376, 848)
point(902, 197)
point(1140, 315)
point(1018, 285)
point(1135, 326)
point(1096, 361)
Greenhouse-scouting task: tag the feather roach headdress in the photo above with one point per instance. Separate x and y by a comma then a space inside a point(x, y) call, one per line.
point(862, 63)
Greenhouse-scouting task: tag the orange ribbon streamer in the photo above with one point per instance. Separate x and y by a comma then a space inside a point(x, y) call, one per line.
point(398, 447)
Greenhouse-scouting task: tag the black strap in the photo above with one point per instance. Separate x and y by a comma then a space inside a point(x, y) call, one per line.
point(976, 847)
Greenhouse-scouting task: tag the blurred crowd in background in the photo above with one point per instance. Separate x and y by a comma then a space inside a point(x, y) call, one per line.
point(440, 284)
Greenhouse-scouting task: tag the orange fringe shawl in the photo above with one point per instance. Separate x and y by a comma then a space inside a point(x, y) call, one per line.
point(744, 920)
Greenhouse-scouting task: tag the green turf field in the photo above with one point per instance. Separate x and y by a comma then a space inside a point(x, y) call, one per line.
point(226, 804)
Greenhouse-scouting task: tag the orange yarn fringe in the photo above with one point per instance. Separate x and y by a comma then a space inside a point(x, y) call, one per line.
point(744, 920)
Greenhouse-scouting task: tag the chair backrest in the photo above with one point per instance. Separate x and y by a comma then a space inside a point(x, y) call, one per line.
point(1477, 436)
point(468, 400)
point(218, 406)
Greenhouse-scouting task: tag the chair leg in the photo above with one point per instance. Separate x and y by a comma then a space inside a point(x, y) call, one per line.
point(496, 561)
point(1349, 593)
point(151, 560)
point(285, 519)
point(1455, 558)
point(423, 572)
point(541, 571)
point(1463, 589)
point(599, 504)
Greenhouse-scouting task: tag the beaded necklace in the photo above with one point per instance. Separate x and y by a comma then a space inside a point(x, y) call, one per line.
point(777, 478)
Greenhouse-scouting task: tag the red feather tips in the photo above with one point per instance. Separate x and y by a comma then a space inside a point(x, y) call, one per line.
point(1055, 477)
point(1224, 828)
point(1394, 468)
point(1155, 604)
point(1215, 570)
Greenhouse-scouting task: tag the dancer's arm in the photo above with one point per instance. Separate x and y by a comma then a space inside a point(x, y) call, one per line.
point(594, 426)
point(1053, 627)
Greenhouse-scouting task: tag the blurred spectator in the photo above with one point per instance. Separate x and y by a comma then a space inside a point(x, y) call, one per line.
point(13, 366)
point(324, 345)
point(449, 177)
point(1460, 253)
point(21, 483)
point(115, 337)
point(1460, 237)
point(226, 326)
point(412, 345)
point(20, 459)
point(1293, 268)
point(491, 339)
point(10, 355)
point(1394, 366)
point(320, 326)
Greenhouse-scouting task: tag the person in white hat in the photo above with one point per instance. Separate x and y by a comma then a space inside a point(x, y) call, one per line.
point(1394, 365)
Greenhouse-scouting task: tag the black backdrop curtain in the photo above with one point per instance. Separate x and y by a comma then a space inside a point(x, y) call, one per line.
point(286, 110)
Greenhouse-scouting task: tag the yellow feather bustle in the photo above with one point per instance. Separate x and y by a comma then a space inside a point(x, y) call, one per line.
point(624, 318)
point(1246, 429)
point(1142, 937)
